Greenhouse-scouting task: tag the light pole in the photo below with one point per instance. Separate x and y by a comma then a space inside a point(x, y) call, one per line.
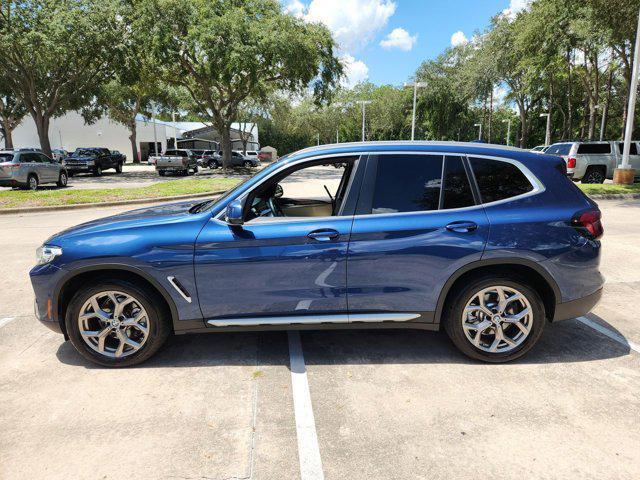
point(547, 137)
point(480, 132)
point(364, 104)
point(624, 173)
point(155, 135)
point(508, 122)
point(337, 136)
point(415, 86)
point(318, 139)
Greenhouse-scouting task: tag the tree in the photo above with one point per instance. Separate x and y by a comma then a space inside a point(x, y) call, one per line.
point(12, 111)
point(225, 51)
point(56, 54)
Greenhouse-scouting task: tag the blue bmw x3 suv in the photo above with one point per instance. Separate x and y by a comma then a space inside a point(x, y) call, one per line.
point(486, 242)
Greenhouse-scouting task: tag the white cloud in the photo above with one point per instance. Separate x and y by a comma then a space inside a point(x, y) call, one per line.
point(295, 8)
point(356, 71)
point(399, 38)
point(458, 38)
point(354, 23)
point(515, 7)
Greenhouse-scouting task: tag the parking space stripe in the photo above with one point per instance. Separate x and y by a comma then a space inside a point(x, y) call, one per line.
point(308, 449)
point(608, 333)
point(6, 320)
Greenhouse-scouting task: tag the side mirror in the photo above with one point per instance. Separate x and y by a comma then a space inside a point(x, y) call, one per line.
point(234, 213)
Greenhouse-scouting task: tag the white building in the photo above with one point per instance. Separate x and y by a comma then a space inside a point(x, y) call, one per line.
point(70, 132)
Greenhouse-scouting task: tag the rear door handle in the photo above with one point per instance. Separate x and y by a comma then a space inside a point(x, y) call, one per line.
point(462, 227)
point(324, 234)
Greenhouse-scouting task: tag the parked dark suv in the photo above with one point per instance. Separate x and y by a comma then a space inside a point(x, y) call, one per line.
point(489, 243)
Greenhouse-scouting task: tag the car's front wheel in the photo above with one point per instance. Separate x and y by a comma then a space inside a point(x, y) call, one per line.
point(495, 319)
point(62, 180)
point(116, 323)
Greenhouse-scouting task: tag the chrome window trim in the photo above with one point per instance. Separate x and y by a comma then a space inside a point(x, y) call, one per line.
point(538, 186)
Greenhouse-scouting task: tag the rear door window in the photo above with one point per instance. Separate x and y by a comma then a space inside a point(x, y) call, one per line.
point(6, 157)
point(457, 189)
point(594, 148)
point(559, 149)
point(498, 180)
point(407, 183)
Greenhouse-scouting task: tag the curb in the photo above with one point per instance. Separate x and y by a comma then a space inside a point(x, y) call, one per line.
point(75, 206)
point(615, 196)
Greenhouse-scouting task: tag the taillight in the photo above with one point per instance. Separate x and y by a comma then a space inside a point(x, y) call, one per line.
point(571, 162)
point(589, 222)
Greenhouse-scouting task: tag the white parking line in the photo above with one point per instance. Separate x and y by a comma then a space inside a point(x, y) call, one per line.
point(608, 333)
point(4, 321)
point(308, 449)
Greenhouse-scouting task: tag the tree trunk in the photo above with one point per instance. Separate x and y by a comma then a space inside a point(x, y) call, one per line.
point(134, 142)
point(42, 126)
point(8, 134)
point(225, 134)
point(490, 115)
point(605, 110)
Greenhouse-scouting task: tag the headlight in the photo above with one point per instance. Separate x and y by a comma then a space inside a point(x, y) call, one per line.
point(46, 254)
point(90, 162)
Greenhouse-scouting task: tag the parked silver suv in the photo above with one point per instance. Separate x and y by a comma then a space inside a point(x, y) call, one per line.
point(28, 169)
point(594, 162)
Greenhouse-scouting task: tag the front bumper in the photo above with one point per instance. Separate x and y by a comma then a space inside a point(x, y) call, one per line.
point(44, 278)
point(79, 168)
point(578, 307)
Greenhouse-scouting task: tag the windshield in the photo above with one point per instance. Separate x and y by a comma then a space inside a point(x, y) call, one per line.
point(201, 207)
point(84, 152)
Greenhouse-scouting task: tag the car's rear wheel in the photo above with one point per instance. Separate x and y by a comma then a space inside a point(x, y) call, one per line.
point(32, 182)
point(97, 172)
point(161, 173)
point(495, 319)
point(247, 164)
point(119, 167)
point(62, 180)
point(594, 175)
point(116, 323)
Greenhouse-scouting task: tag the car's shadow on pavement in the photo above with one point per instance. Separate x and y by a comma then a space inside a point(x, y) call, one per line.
point(565, 342)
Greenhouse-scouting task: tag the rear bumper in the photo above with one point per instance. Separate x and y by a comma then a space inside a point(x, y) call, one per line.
point(578, 307)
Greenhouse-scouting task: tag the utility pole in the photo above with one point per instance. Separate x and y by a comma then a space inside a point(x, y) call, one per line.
point(480, 132)
point(624, 173)
point(508, 122)
point(318, 138)
point(547, 137)
point(364, 104)
point(415, 86)
point(337, 137)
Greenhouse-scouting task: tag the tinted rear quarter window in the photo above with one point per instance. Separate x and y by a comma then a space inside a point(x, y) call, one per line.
point(407, 183)
point(457, 189)
point(6, 157)
point(498, 180)
point(594, 148)
point(633, 150)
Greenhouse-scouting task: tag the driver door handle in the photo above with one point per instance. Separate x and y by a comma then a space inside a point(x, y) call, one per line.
point(324, 234)
point(462, 227)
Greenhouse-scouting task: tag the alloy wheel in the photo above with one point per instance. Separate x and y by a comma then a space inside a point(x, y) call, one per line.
point(497, 319)
point(114, 324)
point(33, 183)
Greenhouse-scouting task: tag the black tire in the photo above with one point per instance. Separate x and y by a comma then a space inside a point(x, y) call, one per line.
point(62, 180)
point(32, 182)
point(452, 317)
point(214, 164)
point(119, 167)
point(195, 169)
point(161, 173)
point(159, 323)
point(97, 171)
point(247, 164)
point(594, 175)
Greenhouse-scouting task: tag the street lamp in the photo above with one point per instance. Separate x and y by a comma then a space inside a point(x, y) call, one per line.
point(415, 86)
point(547, 137)
point(364, 104)
point(508, 122)
point(175, 130)
point(480, 132)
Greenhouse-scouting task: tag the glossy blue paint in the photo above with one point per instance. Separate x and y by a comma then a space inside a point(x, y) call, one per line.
point(366, 263)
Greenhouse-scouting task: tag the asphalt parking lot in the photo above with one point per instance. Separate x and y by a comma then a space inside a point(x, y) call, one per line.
point(391, 404)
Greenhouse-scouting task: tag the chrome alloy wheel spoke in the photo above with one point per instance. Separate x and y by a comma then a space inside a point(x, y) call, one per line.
point(497, 319)
point(114, 324)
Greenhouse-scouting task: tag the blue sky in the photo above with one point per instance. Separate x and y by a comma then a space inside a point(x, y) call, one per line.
point(384, 41)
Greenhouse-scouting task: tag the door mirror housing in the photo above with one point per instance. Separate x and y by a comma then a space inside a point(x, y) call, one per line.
point(234, 213)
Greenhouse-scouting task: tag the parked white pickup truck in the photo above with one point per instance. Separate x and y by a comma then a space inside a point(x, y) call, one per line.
point(180, 161)
point(594, 162)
